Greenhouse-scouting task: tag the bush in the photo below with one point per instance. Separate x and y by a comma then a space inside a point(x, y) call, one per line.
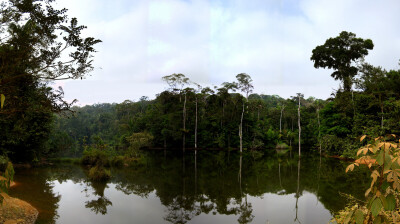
point(282, 146)
point(99, 173)
point(117, 161)
point(95, 157)
point(383, 158)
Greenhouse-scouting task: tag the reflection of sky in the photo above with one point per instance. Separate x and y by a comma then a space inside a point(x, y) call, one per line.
point(270, 208)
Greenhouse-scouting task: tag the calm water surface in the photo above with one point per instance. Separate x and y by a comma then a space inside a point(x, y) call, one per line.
point(215, 187)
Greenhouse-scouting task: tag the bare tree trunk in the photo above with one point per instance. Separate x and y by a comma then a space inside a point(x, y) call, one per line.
point(195, 172)
point(280, 120)
point(240, 175)
point(380, 102)
point(299, 128)
point(241, 130)
point(223, 113)
point(319, 133)
point(184, 124)
point(195, 129)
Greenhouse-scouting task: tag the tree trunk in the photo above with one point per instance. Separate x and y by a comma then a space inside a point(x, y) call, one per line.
point(381, 104)
point(347, 83)
point(280, 120)
point(241, 130)
point(319, 133)
point(184, 124)
point(195, 129)
point(299, 128)
point(223, 113)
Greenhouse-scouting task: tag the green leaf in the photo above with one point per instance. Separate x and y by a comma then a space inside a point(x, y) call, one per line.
point(379, 158)
point(348, 217)
point(383, 200)
point(377, 220)
point(359, 216)
point(2, 101)
point(390, 203)
point(388, 161)
point(376, 207)
point(385, 185)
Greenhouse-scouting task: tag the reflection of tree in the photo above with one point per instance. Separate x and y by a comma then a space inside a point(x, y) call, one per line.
point(245, 210)
point(220, 186)
point(36, 188)
point(180, 211)
point(297, 195)
point(101, 203)
point(99, 206)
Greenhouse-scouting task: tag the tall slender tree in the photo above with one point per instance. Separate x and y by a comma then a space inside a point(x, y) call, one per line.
point(245, 85)
point(177, 82)
point(299, 96)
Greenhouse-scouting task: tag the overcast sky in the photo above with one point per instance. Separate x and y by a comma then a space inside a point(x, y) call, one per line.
point(213, 41)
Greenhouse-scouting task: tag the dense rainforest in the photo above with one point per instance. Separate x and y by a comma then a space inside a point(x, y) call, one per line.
point(40, 44)
point(210, 118)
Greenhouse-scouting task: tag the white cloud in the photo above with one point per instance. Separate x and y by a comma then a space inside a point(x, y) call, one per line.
point(211, 42)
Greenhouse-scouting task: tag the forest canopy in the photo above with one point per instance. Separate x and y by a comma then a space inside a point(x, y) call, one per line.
point(38, 44)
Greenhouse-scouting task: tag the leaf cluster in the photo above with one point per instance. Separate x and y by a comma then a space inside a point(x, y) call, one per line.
point(382, 157)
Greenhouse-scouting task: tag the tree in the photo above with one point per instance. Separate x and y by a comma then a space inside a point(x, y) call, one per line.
point(38, 44)
point(176, 83)
point(244, 84)
point(299, 95)
point(340, 53)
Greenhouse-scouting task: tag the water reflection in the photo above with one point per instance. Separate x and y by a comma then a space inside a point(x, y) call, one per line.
point(100, 204)
point(207, 187)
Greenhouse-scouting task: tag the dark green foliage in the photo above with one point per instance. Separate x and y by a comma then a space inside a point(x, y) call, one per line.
point(339, 53)
point(95, 157)
point(39, 44)
point(99, 173)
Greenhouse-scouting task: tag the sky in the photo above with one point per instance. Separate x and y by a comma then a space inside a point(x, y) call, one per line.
point(210, 42)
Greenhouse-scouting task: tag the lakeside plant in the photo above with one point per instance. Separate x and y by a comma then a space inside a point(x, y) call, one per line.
point(6, 180)
point(382, 157)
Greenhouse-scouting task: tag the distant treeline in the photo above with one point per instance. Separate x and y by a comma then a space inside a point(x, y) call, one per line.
point(268, 120)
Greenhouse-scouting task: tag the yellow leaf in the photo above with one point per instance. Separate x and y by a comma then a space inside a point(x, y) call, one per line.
point(359, 152)
point(362, 138)
point(390, 177)
point(350, 168)
point(2, 100)
point(369, 165)
point(367, 192)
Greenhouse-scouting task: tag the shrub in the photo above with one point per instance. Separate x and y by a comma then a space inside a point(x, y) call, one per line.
point(95, 157)
point(99, 173)
point(117, 161)
point(383, 158)
point(282, 146)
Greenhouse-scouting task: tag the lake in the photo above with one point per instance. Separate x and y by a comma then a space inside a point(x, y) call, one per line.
point(212, 187)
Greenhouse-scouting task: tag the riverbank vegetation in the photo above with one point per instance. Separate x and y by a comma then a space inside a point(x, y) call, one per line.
point(214, 115)
point(382, 156)
point(41, 44)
